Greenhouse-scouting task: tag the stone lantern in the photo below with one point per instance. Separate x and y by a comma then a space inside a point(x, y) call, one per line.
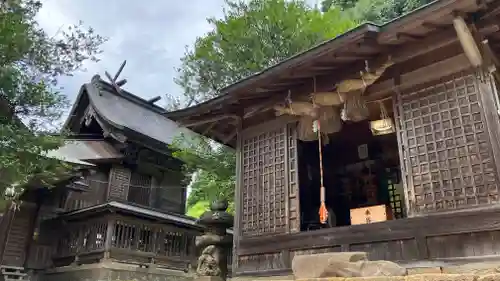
point(213, 246)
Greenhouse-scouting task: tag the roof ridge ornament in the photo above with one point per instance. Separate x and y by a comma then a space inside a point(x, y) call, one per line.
point(113, 80)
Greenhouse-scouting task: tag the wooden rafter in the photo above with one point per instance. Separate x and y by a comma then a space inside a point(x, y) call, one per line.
point(407, 80)
point(251, 111)
point(209, 120)
point(435, 26)
point(409, 37)
point(209, 128)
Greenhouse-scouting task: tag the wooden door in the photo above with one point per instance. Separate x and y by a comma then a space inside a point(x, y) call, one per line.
point(445, 147)
point(269, 180)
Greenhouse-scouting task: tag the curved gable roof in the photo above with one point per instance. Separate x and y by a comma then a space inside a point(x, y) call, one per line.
point(126, 111)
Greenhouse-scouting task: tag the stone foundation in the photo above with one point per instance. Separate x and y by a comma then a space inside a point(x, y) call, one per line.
point(111, 271)
point(417, 277)
point(472, 271)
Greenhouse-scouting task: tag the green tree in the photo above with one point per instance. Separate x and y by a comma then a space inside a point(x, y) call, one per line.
point(31, 62)
point(378, 11)
point(251, 36)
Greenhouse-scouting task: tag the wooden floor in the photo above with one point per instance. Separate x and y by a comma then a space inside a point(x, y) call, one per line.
point(470, 234)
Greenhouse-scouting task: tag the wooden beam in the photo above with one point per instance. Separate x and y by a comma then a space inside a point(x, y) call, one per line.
point(342, 58)
point(208, 128)
point(323, 68)
point(249, 112)
point(422, 75)
point(230, 137)
point(434, 26)
point(367, 46)
point(401, 53)
point(435, 40)
point(209, 120)
point(492, 59)
point(433, 13)
point(409, 37)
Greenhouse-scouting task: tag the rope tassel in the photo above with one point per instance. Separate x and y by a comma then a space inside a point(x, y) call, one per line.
point(323, 212)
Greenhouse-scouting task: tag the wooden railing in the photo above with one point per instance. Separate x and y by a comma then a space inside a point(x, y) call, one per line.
point(128, 240)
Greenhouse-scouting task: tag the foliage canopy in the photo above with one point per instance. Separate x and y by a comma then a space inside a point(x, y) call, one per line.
point(31, 61)
point(251, 36)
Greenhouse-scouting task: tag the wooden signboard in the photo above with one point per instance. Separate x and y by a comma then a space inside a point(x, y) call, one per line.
point(370, 214)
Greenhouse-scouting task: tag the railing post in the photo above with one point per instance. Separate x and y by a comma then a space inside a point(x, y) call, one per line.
point(215, 243)
point(109, 236)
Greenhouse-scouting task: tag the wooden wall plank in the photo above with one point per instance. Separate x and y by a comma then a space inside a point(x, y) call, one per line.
point(453, 235)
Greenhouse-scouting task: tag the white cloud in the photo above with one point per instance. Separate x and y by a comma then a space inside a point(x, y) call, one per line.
point(152, 38)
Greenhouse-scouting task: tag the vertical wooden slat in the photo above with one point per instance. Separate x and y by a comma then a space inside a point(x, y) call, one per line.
point(238, 197)
point(292, 180)
point(489, 96)
point(403, 156)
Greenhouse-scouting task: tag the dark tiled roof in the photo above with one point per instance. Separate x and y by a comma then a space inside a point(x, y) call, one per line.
point(126, 111)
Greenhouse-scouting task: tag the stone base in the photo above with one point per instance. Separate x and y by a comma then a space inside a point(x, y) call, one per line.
point(418, 277)
point(113, 271)
point(343, 264)
point(208, 278)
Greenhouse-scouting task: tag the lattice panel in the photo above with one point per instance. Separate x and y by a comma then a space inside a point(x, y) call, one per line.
point(448, 162)
point(140, 189)
point(264, 188)
point(119, 182)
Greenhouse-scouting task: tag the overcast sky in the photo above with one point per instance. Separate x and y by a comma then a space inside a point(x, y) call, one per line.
point(150, 34)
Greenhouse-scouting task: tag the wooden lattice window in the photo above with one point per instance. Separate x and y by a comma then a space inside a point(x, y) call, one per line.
point(119, 181)
point(97, 185)
point(264, 162)
point(446, 150)
point(140, 189)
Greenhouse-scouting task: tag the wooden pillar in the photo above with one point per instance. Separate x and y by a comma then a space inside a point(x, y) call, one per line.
point(111, 221)
point(237, 198)
point(488, 94)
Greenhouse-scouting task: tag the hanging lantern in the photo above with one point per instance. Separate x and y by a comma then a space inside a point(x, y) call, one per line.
point(384, 125)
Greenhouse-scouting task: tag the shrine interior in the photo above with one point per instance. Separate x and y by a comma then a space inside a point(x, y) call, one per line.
point(361, 173)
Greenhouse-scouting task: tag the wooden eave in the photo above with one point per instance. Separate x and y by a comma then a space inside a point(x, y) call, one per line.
point(419, 33)
point(130, 209)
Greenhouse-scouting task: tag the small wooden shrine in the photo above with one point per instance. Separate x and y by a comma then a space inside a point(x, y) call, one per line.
point(408, 118)
point(126, 206)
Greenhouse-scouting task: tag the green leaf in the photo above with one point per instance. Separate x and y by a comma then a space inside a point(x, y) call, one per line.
point(251, 36)
point(31, 106)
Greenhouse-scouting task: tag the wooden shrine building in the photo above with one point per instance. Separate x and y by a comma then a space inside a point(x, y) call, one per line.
point(127, 207)
point(411, 175)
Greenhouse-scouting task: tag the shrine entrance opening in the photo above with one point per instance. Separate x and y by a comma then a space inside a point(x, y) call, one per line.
point(361, 174)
